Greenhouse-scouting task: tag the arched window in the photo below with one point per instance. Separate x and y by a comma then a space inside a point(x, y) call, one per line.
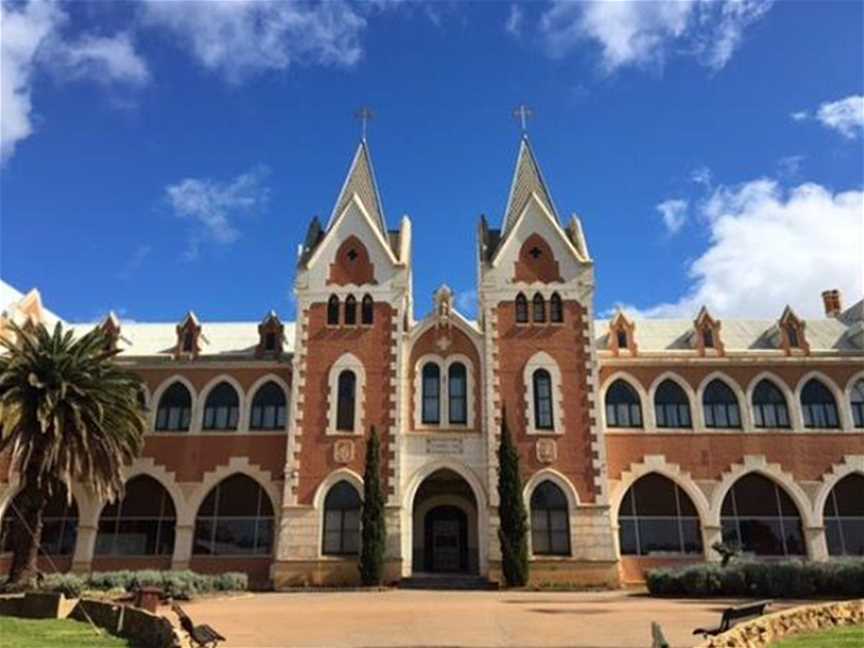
point(844, 517)
point(769, 406)
point(431, 394)
point(342, 520)
point(347, 401)
point(268, 408)
point(760, 518)
point(556, 309)
point(59, 524)
point(457, 392)
point(856, 402)
point(720, 406)
point(538, 308)
point(657, 517)
point(521, 309)
point(236, 518)
point(222, 408)
point(623, 408)
point(333, 311)
point(708, 338)
point(542, 400)
point(671, 406)
point(621, 336)
point(792, 336)
point(174, 412)
point(550, 521)
point(367, 310)
point(350, 310)
point(141, 524)
point(818, 406)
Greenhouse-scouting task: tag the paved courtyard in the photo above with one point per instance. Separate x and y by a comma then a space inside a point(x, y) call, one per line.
point(470, 619)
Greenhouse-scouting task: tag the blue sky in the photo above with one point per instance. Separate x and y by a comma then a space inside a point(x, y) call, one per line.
point(160, 157)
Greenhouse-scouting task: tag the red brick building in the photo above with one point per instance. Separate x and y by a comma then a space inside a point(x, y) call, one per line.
point(642, 442)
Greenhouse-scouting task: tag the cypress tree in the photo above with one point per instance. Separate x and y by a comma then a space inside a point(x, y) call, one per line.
point(511, 510)
point(374, 527)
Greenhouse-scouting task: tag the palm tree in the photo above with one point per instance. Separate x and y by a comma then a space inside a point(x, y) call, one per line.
point(67, 413)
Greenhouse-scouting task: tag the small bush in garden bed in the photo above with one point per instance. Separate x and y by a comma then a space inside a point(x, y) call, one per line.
point(784, 579)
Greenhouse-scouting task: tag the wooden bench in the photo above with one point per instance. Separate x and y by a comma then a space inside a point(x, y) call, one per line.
point(733, 615)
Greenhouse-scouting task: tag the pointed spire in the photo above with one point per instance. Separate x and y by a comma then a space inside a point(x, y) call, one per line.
point(361, 181)
point(527, 179)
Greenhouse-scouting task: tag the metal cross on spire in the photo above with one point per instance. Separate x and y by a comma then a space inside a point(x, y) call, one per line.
point(365, 115)
point(523, 113)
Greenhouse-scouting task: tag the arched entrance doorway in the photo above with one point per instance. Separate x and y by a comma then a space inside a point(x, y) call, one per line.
point(445, 526)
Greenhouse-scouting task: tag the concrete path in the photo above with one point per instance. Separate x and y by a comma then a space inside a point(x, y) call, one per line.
point(450, 619)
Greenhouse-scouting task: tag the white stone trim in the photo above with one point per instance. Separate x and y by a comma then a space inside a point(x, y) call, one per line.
point(791, 406)
point(851, 465)
point(843, 410)
point(640, 392)
point(242, 418)
point(699, 419)
point(253, 390)
point(444, 363)
point(847, 403)
point(557, 478)
point(194, 421)
point(651, 423)
point(347, 361)
point(236, 465)
point(342, 474)
point(542, 360)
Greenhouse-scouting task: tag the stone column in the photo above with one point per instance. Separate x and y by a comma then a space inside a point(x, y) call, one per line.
point(182, 546)
point(710, 535)
point(85, 546)
point(817, 546)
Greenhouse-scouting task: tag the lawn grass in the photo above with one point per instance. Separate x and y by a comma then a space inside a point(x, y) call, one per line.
point(54, 633)
point(847, 637)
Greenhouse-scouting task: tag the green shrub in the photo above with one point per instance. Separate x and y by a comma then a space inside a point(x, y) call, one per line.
point(782, 579)
point(176, 584)
point(70, 585)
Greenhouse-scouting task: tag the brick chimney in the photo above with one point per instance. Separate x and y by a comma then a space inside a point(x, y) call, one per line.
point(833, 303)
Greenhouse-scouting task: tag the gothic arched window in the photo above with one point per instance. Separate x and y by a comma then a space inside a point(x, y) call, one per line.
point(720, 406)
point(550, 521)
point(341, 521)
point(671, 406)
point(222, 408)
point(521, 309)
point(556, 309)
point(844, 517)
point(538, 309)
point(769, 406)
point(141, 524)
point(657, 517)
point(59, 524)
point(856, 402)
point(174, 412)
point(542, 400)
point(367, 310)
point(269, 407)
point(759, 517)
point(350, 310)
point(818, 406)
point(431, 394)
point(333, 311)
point(623, 407)
point(347, 401)
point(457, 393)
point(236, 518)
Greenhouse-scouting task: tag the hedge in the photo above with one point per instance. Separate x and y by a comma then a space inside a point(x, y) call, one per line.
point(177, 584)
point(786, 579)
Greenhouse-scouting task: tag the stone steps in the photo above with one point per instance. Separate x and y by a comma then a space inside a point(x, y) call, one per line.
point(447, 582)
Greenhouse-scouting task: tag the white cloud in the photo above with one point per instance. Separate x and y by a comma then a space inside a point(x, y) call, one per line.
point(242, 37)
point(846, 116)
point(770, 247)
point(790, 166)
point(645, 33)
point(31, 40)
point(214, 205)
point(513, 26)
point(135, 260)
point(702, 176)
point(674, 213)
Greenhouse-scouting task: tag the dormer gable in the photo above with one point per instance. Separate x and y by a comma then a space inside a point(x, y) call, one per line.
point(706, 334)
point(622, 335)
point(791, 333)
point(271, 337)
point(110, 328)
point(189, 338)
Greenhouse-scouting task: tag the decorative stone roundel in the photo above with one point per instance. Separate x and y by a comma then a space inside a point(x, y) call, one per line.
point(547, 451)
point(343, 451)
